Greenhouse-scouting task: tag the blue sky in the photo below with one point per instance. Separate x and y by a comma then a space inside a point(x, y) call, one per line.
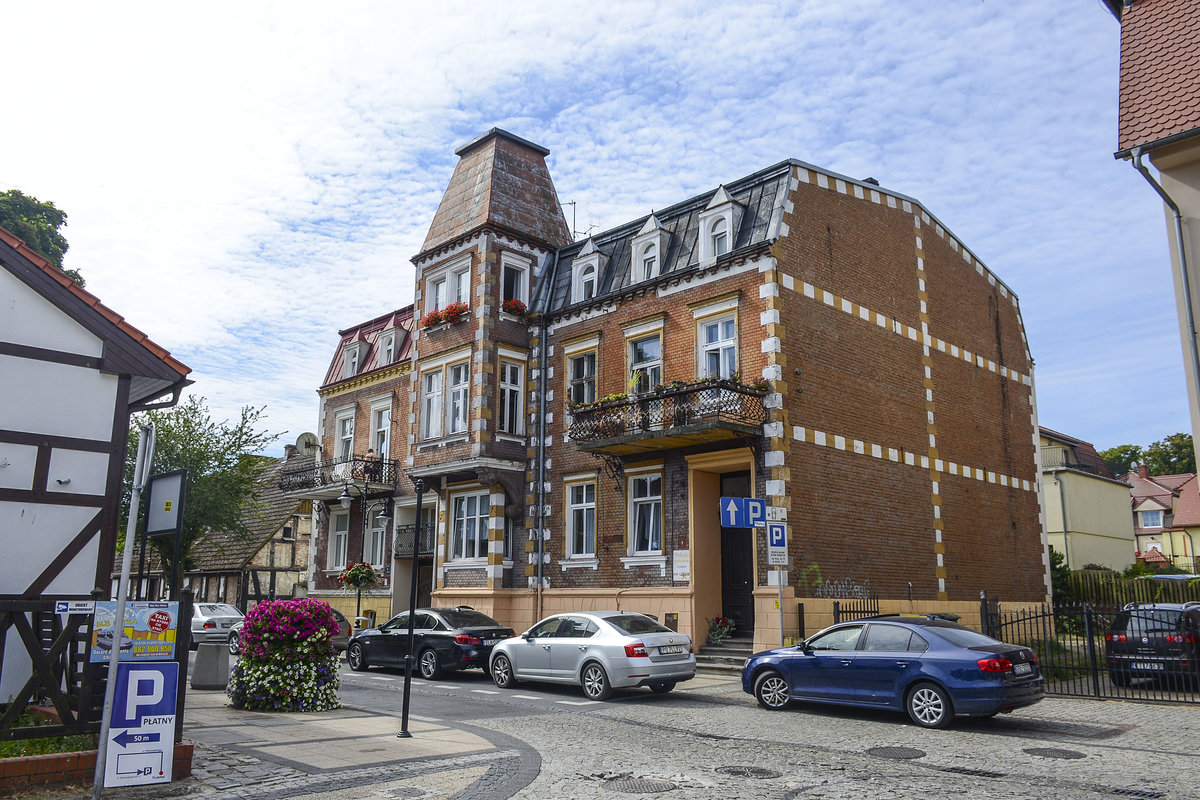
point(244, 180)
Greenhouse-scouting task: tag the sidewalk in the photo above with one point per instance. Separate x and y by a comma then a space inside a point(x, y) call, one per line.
point(265, 756)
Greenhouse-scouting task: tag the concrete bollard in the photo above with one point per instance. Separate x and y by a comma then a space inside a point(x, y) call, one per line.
point(211, 670)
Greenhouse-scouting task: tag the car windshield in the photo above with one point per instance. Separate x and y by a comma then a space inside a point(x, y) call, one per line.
point(963, 637)
point(1150, 621)
point(464, 618)
point(634, 624)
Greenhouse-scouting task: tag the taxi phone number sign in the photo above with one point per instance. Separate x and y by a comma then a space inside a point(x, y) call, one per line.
point(148, 633)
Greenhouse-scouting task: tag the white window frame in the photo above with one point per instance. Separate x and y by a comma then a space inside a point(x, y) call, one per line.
point(579, 509)
point(477, 522)
point(648, 262)
point(351, 359)
point(718, 236)
point(432, 393)
point(345, 434)
point(339, 541)
point(586, 268)
point(448, 284)
point(725, 348)
point(587, 383)
point(376, 547)
point(721, 212)
point(649, 502)
point(510, 263)
point(381, 429)
point(512, 392)
point(458, 396)
point(1144, 515)
point(387, 348)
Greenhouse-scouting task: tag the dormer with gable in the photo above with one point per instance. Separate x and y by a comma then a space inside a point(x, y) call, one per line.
point(586, 270)
point(649, 250)
point(353, 356)
point(719, 223)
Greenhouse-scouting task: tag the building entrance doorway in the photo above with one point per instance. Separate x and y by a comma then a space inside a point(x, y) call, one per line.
point(737, 562)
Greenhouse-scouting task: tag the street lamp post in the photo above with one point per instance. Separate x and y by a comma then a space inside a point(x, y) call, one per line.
point(419, 485)
point(384, 515)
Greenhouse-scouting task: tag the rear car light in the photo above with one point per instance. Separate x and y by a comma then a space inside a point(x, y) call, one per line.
point(636, 650)
point(466, 638)
point(210, 624)
point(1033, 659)
point(1115, 637)
point(1180, 639)
point(994, 665)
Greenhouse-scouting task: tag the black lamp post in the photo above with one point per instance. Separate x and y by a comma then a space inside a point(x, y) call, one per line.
point(419, 485)
point(386, 504)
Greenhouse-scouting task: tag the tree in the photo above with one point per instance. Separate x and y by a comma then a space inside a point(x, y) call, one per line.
point(1060, 577)
point(223, 471)
point(1122, 458)
point(1171, 456)
point(38, 224)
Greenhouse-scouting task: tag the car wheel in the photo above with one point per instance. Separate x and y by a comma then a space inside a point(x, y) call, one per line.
point(594, 681)
point(1118, 677)
point(431, 666)
point(356, 658)
point(662, 687)
point(929, 706)
point(771, 690)
point(235, 643)
point(502, 673)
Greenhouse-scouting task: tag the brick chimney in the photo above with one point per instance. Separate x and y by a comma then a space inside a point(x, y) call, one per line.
point(1143, 471)
point(289, 450)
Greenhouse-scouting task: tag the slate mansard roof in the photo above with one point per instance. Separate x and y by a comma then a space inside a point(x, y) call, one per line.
point(760, 197)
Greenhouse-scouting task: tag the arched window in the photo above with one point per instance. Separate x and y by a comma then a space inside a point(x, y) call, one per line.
point(718, 236)
point(587, 283)
point(649, 265)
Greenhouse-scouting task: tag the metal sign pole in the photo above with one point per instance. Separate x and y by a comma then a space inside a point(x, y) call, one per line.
point(142, 466)
point(779, 605)
point(419, 486)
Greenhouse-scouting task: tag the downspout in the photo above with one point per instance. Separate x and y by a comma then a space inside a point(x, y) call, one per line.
point(1183, 268)
point(1062, 509)
point(541, 450)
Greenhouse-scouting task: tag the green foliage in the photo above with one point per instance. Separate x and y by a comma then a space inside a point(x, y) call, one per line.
point(1172, 455)
point(46, 744)
point(38, 224)
point(1060, 578)
point(719, 630)
point(223, 473)
point(1122, 458)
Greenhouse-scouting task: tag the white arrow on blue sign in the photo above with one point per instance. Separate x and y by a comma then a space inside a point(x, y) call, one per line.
point(743, 512)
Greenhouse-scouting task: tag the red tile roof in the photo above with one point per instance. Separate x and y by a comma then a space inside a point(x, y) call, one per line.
point(1160, 71)
point(116, 319)
point(1187, 507)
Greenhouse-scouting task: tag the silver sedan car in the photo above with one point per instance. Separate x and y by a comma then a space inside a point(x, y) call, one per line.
point(597, 650)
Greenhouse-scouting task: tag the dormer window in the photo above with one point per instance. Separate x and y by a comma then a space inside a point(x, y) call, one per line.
point(352, 359)
point(387, 348)
point(649, 250)
point(585, 273)
point(718, 226)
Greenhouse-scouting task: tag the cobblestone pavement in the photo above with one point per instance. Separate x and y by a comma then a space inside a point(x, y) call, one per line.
point(724, 746)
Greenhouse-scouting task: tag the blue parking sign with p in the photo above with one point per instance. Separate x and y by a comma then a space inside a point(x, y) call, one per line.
point(777, 534)
point(743, 512)
point(144, 690)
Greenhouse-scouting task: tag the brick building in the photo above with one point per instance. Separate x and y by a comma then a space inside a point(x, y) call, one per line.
point(794, 335)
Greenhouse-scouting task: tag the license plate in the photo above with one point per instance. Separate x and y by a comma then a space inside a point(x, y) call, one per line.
point(1022, 669)
point(671, 649)
point(490, 642)
point(1150, 665)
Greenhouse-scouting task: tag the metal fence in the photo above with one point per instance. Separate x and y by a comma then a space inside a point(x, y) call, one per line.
point(857, 608)
point(716, 402)
point(1070, 645)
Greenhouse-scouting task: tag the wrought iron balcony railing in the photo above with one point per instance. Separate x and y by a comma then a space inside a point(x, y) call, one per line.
point(402, 542)
point(690, 407)
point(335, 471)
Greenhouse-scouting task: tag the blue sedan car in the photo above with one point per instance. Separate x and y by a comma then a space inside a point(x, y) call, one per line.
point(927, 666)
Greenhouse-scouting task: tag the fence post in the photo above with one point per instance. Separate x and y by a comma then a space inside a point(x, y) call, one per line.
point(985, 622)
point(837, 612)
point(1088, 631)
point(800, 620)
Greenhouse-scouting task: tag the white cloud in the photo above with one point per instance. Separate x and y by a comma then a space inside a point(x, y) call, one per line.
point(244, 180)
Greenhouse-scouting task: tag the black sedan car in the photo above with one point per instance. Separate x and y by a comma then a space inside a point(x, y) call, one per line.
point(444, 639)
point(929, 667)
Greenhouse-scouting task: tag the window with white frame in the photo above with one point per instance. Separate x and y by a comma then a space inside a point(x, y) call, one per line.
point(377, 541)
point(645, 363)
point(510, 398)
point(581, 378)
point(718, 347)
point(718, 236)
point(387, 348)
point(585, 283)
point(339, 540)
point(645, 514)
point(469, 525)
point(585, 272)
point(451, 286)
point(381, 430)
point(581, 517)
point(345, 440)
point(648, 263)
point(1151, 519)
point(431, 404)
point(350, 359)
point(513, 280)
point(460, 376)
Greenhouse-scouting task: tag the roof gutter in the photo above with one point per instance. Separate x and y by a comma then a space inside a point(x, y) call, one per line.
point(1177, 217)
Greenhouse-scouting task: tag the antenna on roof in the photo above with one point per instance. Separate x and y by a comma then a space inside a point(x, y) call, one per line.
point(577, 234)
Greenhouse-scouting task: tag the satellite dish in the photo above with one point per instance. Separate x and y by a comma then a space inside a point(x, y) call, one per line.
point(307, 442)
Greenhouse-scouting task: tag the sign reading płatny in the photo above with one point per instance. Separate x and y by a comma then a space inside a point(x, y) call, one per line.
point(141, 736)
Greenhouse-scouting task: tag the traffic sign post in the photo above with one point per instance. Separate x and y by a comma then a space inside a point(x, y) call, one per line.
point(141, 734)
point(743, 512)
point(777, 556)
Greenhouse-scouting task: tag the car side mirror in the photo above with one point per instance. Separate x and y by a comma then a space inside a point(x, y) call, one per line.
point(525, 635)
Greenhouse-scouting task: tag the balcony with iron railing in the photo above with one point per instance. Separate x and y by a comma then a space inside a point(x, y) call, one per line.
point(402, 541)
point(324, 480)
point(674, 416)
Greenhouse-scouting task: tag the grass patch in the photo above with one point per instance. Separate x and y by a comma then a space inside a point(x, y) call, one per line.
point(46, 744)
